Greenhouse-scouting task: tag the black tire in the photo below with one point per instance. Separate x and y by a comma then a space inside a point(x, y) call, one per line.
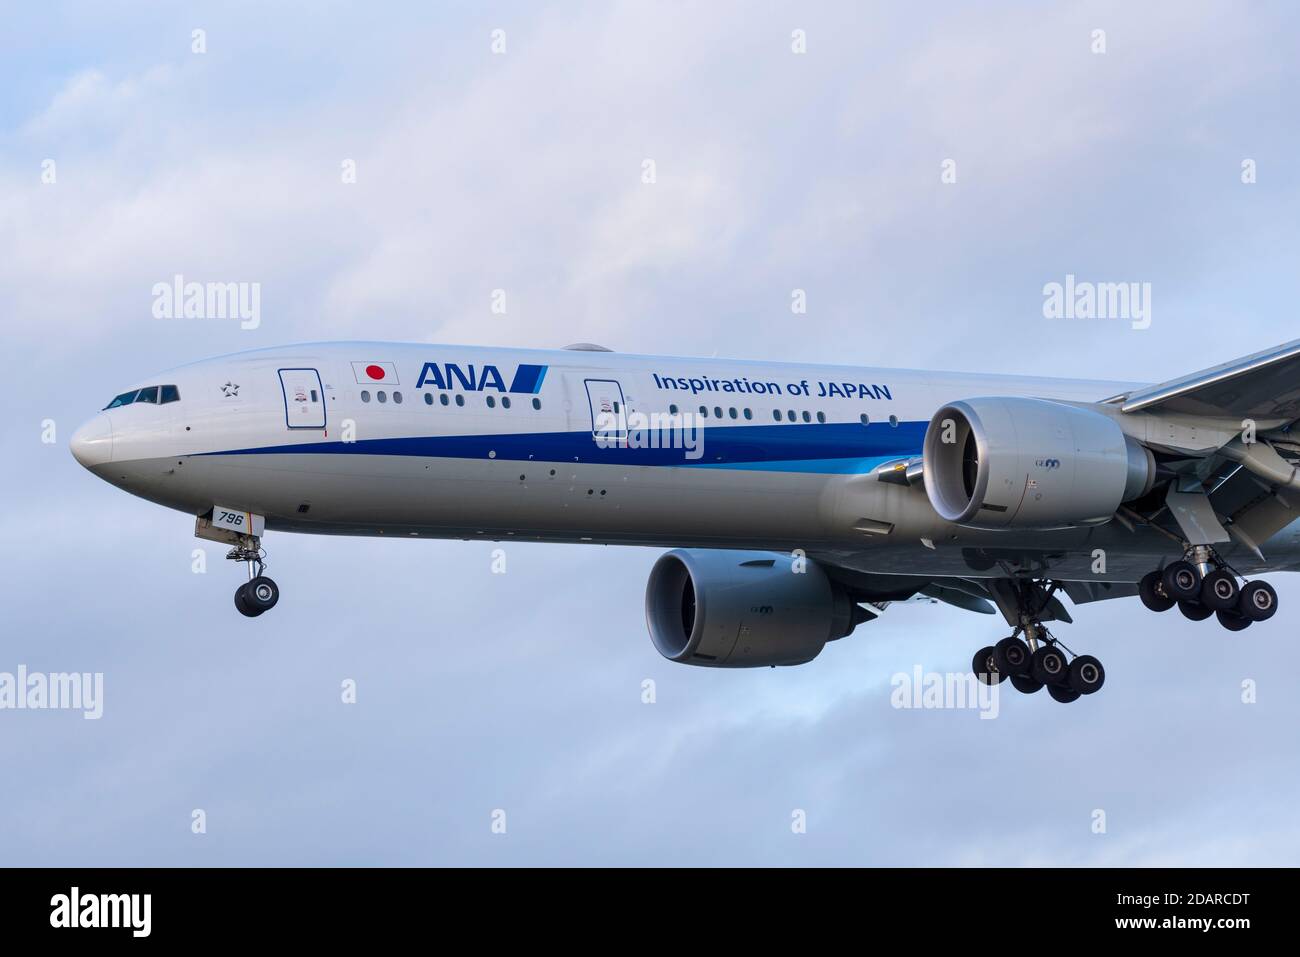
point(985, 668)
point(1011, 655)
point(1048, 666)
point(1086, 674)
point(1025, 684)
point(241, 603)
point(1152, 592)
point(1258, 601)
point(1182, 581)
point(1219, 591)
point(261, 593)
point(1232, 621)
point(1194, 610)
point(1062, 694)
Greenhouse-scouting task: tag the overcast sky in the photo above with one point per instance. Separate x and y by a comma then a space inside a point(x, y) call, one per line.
point(522, 171)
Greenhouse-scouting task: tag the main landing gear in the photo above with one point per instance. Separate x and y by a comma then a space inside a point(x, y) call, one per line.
point(259, 594)
point(1201, 584)
point(1031, 656)
point(1039, 661)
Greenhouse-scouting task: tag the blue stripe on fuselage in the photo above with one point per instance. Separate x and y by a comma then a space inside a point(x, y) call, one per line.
point(841, 448)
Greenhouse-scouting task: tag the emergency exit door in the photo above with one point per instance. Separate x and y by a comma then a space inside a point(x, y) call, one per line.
point(304, 399)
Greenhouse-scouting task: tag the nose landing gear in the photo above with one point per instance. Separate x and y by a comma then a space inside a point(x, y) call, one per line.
point(259, 594)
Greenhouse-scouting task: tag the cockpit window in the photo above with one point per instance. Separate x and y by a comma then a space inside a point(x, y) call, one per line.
point(153, 394)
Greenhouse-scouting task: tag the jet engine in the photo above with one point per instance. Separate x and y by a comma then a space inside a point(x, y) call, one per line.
point(732, 609)
point(1008, 462)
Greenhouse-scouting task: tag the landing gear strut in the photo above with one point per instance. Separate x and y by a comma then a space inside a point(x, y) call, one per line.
point(259, 594)
point(1038, 660)
point(1203, 585)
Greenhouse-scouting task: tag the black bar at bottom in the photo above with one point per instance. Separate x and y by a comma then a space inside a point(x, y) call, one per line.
point(337, 905)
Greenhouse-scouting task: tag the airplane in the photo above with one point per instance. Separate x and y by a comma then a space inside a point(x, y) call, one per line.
point(797, 501)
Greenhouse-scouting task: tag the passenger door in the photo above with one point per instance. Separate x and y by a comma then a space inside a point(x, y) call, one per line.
point(608, 413)
point(304, 399)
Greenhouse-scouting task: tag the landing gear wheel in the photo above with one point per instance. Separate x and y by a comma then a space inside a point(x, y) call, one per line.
point(1182, 581)
point(241, 602)
point(985, 668)
point(1086, 674)
point(1194, 611)
point(1048, 666)
point(1232, 621)
point(1025, 684)
point(261, 594)
point(1152, 592)
point(1258, 601)
point(1062, 694)
point(1011, 655)
point(1219, 591)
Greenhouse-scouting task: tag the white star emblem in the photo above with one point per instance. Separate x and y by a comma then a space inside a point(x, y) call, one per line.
point(229, 389)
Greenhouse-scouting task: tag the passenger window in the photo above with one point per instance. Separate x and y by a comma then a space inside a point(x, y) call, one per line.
point(148, 395)
point(790, 415)
point(806, 416)
point(893, 421)
point(460, 400)
point(866, 419)
point(491, 402)
point(397, 397)
point(732, 411)
point(505, 402)
point(428, 398)
point(314, 396)
point(365, 396)
point(704, 412)
point(537, 403)
point(749, 414)
point(776, 414)
point(672, 409)
point(170, 394)
point(717, 411)
point(382, 396)
point(821, 416)
point(443, 398)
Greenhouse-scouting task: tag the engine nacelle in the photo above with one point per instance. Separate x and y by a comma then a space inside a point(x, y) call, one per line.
point(1004, 462)
point(727, 609)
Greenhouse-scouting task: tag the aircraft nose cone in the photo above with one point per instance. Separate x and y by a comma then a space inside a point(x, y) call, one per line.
point(92, 444)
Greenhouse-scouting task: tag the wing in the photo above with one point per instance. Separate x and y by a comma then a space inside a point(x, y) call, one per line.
point(1264, 386)
point(1231, 482)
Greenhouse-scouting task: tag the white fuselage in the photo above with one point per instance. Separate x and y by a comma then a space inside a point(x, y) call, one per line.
point(367, 438)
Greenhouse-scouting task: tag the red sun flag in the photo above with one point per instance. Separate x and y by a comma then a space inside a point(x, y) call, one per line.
point(375, 373)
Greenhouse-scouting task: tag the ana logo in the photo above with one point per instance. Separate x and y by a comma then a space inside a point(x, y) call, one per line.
point(449, 375)
point(1048, 464)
